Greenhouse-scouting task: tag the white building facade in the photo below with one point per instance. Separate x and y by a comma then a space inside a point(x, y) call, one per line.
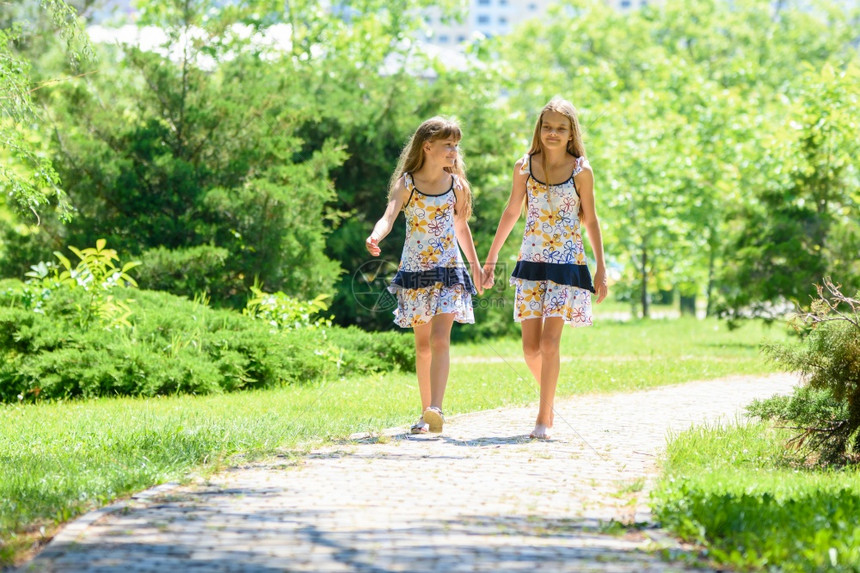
point(488, 18)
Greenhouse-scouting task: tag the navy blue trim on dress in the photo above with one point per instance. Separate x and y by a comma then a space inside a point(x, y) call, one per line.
point(561, 274)
point(415, 187)
point(572, 177)
point(448, 276)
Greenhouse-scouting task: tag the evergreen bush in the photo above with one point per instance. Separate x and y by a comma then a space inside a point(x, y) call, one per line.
point(827, 410)
point(172, 345)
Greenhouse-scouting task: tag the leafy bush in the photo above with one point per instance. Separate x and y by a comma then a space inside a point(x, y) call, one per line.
point(827, 412)
point(96, 274)
point(173, 345)
point(283, 312)
point(188, 271)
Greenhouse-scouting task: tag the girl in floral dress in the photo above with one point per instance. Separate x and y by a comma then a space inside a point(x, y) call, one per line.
point(432, 286)
point(553, 285)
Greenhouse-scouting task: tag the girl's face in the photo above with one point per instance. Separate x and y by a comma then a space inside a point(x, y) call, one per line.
point(555, 130)
point(442, 151)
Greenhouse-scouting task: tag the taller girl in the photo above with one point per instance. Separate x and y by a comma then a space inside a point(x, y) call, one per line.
point(555, 183)
point(432, 286)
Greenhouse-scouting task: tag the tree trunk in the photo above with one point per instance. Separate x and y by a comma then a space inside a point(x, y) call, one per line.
point(688, 305)
point(644, 278)
point(709, 293)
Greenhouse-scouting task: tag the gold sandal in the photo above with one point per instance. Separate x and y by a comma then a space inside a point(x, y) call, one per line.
point(434, 418)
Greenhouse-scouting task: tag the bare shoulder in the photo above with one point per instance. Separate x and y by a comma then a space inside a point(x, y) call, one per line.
point(522, 168)
point(399, 189)
point(520, 164)
point(584, 173)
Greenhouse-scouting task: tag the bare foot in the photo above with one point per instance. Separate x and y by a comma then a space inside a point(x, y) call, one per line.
point(541, 432)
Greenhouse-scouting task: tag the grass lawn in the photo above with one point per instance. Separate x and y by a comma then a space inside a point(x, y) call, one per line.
point(60, 459)
point(738, 492)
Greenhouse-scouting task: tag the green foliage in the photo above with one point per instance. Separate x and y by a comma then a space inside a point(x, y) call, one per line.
point(159, 155)
point(807, 407)
point(808, 187)
point(173, 346)
point(811, 532)
point(96, 274)
point(26, 174)
point(188, 271)
point(827, 411)
point(284, 312)
point(736, 492)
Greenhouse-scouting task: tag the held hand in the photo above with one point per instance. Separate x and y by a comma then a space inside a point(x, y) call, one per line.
point(488, 275)
point(372, 244)
point(478, 279)
point(600, 286)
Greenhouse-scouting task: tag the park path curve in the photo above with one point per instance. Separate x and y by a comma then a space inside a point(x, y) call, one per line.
point(480, 497)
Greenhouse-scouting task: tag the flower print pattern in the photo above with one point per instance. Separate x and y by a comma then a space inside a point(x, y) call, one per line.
point(534, 299)
point(430, 243)
point(552, 235)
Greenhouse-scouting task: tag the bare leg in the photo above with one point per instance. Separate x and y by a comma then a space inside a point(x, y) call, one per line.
point(440, 363)
point(550, 340)
point(423, 357)
point(532, 329)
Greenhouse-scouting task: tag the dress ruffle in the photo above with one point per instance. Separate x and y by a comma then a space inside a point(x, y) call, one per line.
point(546, 299)
point(419, 305)
point(560, 273)
point(446, 276)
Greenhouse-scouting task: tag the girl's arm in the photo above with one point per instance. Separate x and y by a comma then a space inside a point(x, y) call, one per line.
point(464, 237)
point(506, 224)
point(585, 188)
point(383, 226)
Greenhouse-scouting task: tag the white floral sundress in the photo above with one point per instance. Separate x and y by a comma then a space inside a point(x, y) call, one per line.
point(431, 278)
point(551, 276)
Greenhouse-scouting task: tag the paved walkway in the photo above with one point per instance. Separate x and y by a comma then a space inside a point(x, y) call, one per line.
point(480, 497)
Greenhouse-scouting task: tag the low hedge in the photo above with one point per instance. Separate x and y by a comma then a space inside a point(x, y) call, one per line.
point(173, 346)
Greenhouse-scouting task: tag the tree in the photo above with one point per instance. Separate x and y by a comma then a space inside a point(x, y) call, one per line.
point(26, 175)
point(193, 168)
point(680, 102)
point(803, 215)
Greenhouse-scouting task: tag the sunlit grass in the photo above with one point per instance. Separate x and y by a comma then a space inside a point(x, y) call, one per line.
point(59, 459)
point(737, 491)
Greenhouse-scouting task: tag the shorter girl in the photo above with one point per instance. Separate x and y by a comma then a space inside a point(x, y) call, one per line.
point(555, 183)
point(432, 286)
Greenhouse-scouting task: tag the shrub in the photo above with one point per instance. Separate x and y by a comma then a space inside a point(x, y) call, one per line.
point(283, 312)
point(827, 413)
point(189, 271)
point(173, 345)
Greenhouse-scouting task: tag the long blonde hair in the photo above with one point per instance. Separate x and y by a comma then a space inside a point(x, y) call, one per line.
point(412, 156)
point(575, 146)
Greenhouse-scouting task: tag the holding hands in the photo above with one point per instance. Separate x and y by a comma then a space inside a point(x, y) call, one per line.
point(488, 275)
point(479, 279)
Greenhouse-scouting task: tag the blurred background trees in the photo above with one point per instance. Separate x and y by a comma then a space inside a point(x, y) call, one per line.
point(255, 140)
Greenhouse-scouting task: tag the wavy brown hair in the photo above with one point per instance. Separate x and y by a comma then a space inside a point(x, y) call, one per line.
point(412, 156)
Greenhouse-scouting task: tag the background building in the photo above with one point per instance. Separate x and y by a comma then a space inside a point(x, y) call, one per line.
point(487, 18)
